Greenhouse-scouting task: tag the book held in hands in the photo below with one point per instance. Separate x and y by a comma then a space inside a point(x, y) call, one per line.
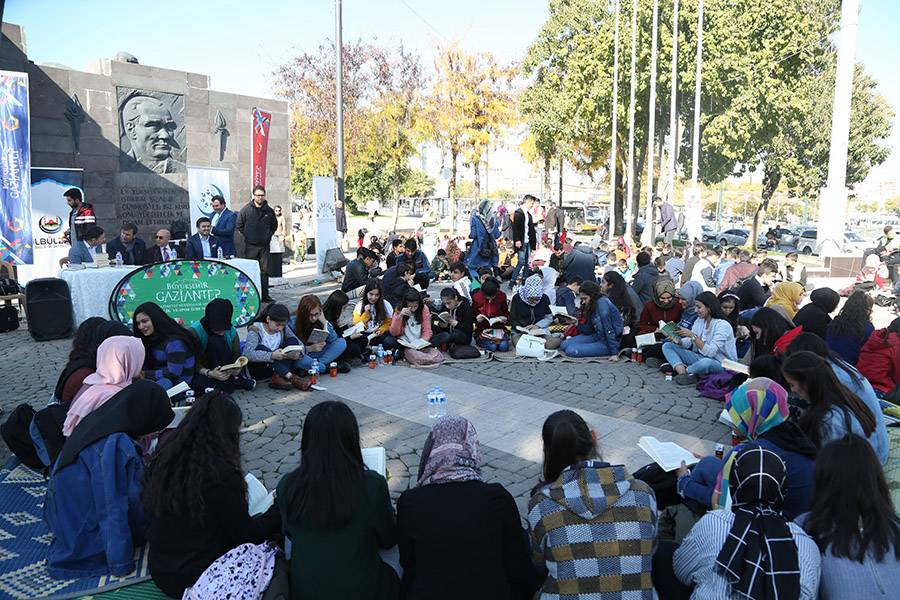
point(667, 455)
point(560, 311)
point(417, 344)
point(358, 328)
point(317, 335)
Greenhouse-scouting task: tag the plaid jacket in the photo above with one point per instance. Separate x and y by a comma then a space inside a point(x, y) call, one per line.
point(594, 529)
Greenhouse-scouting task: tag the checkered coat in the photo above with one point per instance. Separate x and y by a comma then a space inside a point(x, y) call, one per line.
point(594, 529)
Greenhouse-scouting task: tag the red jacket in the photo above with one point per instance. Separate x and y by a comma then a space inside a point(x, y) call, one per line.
point(495, 308)
point(879, 360)
point(653, 314)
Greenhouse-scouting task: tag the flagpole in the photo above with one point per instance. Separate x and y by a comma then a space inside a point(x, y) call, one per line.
point(629, 202)
point(339, 95)
point(673, 107)
point(613, 158)
point(647, 236)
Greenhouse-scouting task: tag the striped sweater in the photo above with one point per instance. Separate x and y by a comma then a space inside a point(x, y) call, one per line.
point(171, 360)
point(594, 529)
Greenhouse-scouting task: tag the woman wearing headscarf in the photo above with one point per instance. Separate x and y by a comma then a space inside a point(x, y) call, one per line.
point(478, 532)
point(484, 231)
point(119, 361)
point(786, 299)
point(664, 306)
point(751, 551)
point(530, 308)
point(96, 526)
point(652, 355)
point(548, 280)
point(83, 356)
point(219, 346)
point(759, 411)
point(504, 222)
point(815, 316)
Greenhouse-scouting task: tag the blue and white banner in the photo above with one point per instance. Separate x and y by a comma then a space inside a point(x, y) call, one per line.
point(203, 184)
point(16, 242)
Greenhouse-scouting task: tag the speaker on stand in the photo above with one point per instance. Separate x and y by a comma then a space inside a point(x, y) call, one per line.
point(48, 307)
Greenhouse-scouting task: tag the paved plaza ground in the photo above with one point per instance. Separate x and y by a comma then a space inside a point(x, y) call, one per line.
point(507, 402)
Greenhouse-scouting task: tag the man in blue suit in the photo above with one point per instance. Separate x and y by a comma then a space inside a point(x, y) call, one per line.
point(223, 222)
point(202, 244)
point(83, 250)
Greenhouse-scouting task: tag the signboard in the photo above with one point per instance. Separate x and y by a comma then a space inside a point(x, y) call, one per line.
point(203, 184)
point(326, 227)
point(16, 239)
point(183, 288)
point(261, 121)
point(49, 218)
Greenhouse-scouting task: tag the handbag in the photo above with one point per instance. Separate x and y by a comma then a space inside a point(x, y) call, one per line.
point(423, 358)
point(530, 346)
point(243, 573)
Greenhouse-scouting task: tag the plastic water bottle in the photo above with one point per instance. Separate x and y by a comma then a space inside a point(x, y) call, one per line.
point(441, 403)
point(315, 365)
point(189, 397)
point(219, 254)
point(432, 403)
point(118, 259)
point(380, 354)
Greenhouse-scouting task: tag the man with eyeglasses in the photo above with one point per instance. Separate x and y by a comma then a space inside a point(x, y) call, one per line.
point(257, 223)
point(163, 250)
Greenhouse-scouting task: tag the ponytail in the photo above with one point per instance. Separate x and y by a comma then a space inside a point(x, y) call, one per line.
point(567, 440)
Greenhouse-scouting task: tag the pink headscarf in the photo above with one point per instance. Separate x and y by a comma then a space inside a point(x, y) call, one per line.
point(119, 360)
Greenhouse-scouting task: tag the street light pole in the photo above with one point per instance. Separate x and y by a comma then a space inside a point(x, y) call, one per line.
point(833, 197)
point(339, 95)
point(629, 201)
point(648, 235)
point(615, 122)
point(673, 106)
point(693, 207)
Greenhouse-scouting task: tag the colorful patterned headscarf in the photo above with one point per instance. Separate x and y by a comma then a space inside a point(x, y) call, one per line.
point(450, 453)
point(532, 290)
point(757, 406)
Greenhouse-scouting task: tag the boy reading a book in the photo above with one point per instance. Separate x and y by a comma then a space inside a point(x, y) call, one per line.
point(274, 351)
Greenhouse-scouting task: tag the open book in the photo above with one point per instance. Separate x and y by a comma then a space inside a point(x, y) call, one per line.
point(495, 320)
point(180, 414)
point(560, 311)
point(417, 287)
point(316, 336)
point(417, 344)
point(292, 348)
point(725, 419)
point(645, 339)
point(375, 459)
point(669, 329)
point(444, 316)
point(538, 332)
point(240, 363)
point(667, 455)
point(259, 499)
point(358, 328)
point(179, 388)
point(735, 366)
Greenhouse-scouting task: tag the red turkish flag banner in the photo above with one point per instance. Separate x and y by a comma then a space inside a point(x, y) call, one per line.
point(261, 121)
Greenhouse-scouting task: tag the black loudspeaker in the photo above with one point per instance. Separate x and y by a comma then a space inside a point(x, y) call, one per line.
point(334, 260)
point(48, 307)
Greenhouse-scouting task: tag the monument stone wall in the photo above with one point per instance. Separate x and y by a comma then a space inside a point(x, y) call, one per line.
point(134, 128)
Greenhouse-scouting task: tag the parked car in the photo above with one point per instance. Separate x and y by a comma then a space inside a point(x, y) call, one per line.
point(788, 237)
point(708, 234)
point(733, 237)
point(807, 243)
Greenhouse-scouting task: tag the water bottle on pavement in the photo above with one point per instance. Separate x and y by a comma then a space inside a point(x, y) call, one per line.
point(441, 403)
point(315, 365)
point(432, 403)
point(118, 259)
point(189, 397)
point(219, 254)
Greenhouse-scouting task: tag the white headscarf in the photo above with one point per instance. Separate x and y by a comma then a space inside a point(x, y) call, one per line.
point(548, 279)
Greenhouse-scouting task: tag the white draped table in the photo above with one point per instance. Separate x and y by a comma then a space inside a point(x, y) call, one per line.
point(91, 287)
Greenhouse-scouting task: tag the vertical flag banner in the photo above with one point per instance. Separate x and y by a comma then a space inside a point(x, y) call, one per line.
point(261, 121)
point(326, 226)
point(16, 241)
point(49, 215)
point(203, 184)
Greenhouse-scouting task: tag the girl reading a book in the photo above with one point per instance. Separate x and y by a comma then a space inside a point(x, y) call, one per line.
point(333, 309)
point(599, 334)
point(491, 316)
point(196, 496)
point(336, 513)
point(219, 346)
point(701, 349)
point(588, 518)
point(454, 323)
point(530, 308)
point(375, 313)
point(411, 331)
point(322, 342)
point(274, 351)
point(170, 349)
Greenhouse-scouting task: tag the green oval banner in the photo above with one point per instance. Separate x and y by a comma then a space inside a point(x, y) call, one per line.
point(183, 288)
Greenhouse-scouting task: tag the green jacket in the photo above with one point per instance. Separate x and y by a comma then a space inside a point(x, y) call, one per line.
point(344, 564)
point(231, 338)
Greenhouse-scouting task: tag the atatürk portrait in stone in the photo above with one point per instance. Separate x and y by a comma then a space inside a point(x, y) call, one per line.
point(151, 131)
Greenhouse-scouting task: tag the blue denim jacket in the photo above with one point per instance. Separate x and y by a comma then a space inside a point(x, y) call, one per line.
point(93, 508)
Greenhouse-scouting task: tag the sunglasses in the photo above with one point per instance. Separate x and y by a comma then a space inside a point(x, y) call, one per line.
point(160, 237)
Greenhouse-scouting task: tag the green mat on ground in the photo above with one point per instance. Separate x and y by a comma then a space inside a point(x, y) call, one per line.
point(139, 591)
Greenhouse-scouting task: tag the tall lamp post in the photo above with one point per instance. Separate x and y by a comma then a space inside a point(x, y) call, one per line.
point(613, 160)
point(339, 99)
point(833, 197)
point(629, 201)
point(647, 235)
point(693, 207)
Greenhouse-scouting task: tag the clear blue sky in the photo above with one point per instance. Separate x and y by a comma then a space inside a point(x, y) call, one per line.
point(239, 43)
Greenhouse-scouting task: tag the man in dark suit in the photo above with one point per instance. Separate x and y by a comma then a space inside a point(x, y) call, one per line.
point(163, 250)
point(524, 236)
point(223, 222)
point(130, 246)
point(202, 244)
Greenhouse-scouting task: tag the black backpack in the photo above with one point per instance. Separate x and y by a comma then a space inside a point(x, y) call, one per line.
point(9, 318)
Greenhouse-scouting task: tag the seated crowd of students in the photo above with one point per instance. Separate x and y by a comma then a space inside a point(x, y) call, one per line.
point(798, 509)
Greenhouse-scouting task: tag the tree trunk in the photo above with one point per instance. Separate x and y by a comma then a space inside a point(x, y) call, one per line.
point(454, 154)
point(560, 180)
point(396, 197)
point(547, 189)
point(619, 204)
point(771, 179)
point(477, 181)
point(636, 205)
